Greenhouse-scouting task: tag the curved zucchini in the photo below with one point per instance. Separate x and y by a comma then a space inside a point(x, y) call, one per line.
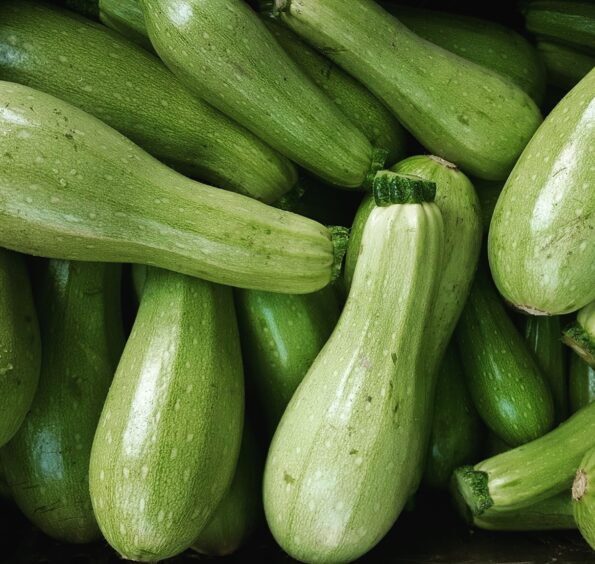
point(529, 473)
point(73, 188)
point(543, 336)
point(541, 245)
point(47, 461)
point(488, 192)
point(20, 347)
point(580, 336)
point(583, 497)
point(456, 427)
point(126, 17)
point(484, 42)
point(565, 66)
point(130, 89)
point(457, 109)
point(282, 334)
point(344, 456)
point(582, 383)
point(168, 439)
point(223, 52)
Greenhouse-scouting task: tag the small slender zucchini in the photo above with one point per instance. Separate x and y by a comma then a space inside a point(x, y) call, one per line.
point(582, 383)
point(20, 346)
point(47, 462)
point(126, 17)
point(167, 443)
point(529, 473)
point(131, 90)
point(583, 496)
point(541, 243)
point(344, 456)
point(565, 66)
point(457, 109)
point(580, 336)
point(73, 188)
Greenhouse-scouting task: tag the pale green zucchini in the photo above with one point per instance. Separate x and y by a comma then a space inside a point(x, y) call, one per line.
point(168, 439)
point(541, 243)
point(223, 52)
point(583, 497)
point(20, 347)
point(580, 336)
point(340, 467)
point(582, 383)
point(125, 17)
point(565, 66)
point(130, 89)
point(47, 461)
point(457, 109)
point(73, 188)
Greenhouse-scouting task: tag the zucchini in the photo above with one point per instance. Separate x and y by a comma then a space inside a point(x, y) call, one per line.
point(223, 52)
point(582, 383)
point(281, 335)
point(343, 459)
point(456, 427)
point(488, 192)
point(47, 461)
point(73, 188)
point(529, 473)
point(87, 8)
point(237, 515)
point(541, 243)
point(583, 496)
point(167, 443)
point(507, 386)
point(484, 42)
point(565, 66)
point(126, 17)
point(495, 445)
point(130, 89)
point(580, 336)
point(543, 336)
point(457, 109)
point(20, 347)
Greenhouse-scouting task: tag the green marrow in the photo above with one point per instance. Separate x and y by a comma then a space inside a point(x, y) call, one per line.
point(47, 462)
point(488, 192)
point(167, 443)
point(540, 245)
point(580, 336)
point(20, 347)
point(125, 17)
point(565, 66)
point(484, 42)
point(73, 188)
point(507, 386)
point(582, 383)
point(345, 455)
point(583, 497)
point(457, 109)
point(130, 89)
point(238, 514)
point(456, 427)
point(223, 52)
point(543, 336)
point(87, 8)
point(529, 473)
point(281, 335)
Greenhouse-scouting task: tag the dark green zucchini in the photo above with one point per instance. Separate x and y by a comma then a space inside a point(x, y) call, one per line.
point(582, 383)
point(488, 192)
point(565, 65)
point(125, 17)
point(87, 8)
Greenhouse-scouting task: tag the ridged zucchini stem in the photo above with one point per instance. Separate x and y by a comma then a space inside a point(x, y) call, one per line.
point(379, 157)
point(397, 188)
point(471, 490)
point(340, 240)
point(580, 336)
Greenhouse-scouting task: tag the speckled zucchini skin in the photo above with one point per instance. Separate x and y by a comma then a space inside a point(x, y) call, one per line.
point(108, 76)
point(125, 17)
point(583, 497)
point(167, 443)
point(73, 188)
point(582, 383)
point(541, 243)
point(47, 461)
point(20, 347)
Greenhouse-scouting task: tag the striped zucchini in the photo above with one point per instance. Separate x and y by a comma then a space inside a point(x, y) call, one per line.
point(125, 17)
point(565, 66)
point(47, 461)
point(457, 109)
point(580, 336)
point(582, 383)
point(130, 89)
point(541, 243)
point(583, 497)
point(73, 188)
point(168, 439)
point(20, 347)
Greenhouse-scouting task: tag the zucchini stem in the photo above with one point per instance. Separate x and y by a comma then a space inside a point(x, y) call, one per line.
point(340, 240)
point(580, 485)
point(471, 490)
point(396, 188)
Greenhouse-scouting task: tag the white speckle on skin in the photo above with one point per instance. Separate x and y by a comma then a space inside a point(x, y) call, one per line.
point(160, 516)
point(174, 453)
point(144, 471)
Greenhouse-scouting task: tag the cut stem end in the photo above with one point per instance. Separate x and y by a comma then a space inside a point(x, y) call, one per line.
point(395, 188)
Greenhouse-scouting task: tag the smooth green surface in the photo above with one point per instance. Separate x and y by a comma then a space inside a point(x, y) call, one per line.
point(508, 388)
point(106, 75)
point(20, 347)
point(457, 109)
point(583, 496)
point(565, 66)
point(168, 439)
point(542, 237)
point(345, 454)
point(225, 54)
point(126, 17)
point(582, 383)
point(47, 461)
point(73, 188)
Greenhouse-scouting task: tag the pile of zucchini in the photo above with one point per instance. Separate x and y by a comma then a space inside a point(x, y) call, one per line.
point(293, 202)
